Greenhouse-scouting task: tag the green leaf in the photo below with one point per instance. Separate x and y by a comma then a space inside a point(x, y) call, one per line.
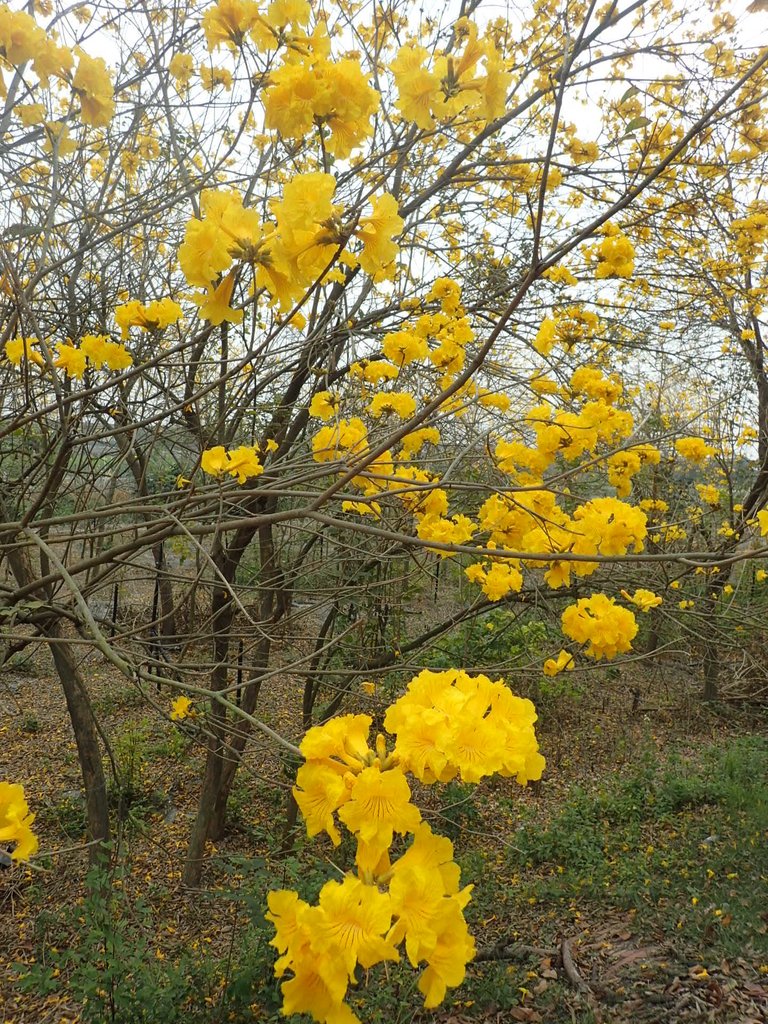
point(631, 91)
point(635, 123)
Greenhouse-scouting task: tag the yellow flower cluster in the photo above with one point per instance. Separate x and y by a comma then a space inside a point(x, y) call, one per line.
point(453, 83)
point(242, 463)
point(333, 96)
point(695, 449)
point(398, 403)
point(709, 494)
point(19, 349)
point(227, 22)
point(342, 439)
point(23, 40)
point(531, 521)
point(452, 724)
point(600, 623)
point(500, 579)
point(458, 529)
point(289, 255)
point(155, 316)
point(16, 836)
point(181, 708)
point(616, 257)
point(446, 724)
point(589, 381)
point(623, 466)
point(95, 350)
point(750, 234)
point(568, 327)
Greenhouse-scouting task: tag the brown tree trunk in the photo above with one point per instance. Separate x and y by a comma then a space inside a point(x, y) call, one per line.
point(217, 730)
point(87, 740)
point(80, 713)
point(275, 600)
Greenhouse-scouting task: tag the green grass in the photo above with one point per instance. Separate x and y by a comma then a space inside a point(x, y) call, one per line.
point(683, 846)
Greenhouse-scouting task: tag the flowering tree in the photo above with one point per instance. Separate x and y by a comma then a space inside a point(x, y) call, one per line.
point(308, 294)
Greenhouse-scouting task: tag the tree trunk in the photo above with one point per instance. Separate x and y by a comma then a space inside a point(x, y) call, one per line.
point(80, 713)
point(87, 740)
point(217, 729)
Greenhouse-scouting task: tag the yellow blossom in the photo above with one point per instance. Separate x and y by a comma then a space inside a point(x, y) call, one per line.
point(181, 709)
point(16, 834)
point(562, 663)
point(400, 403)
point(601, 624)
point(71, 360)
point(643, 599)
point(324, 405)
point(695, 449)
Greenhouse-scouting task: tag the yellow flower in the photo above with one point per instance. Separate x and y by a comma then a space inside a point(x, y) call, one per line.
point(362, 508)
point(403, 347)
point(694, 449)
point(21, 38)
point(243, 463)
point(643, 599)
point(324, 405)
point(205, 251)
point(94, 346)
point(400, 403)
point(501, 579)
point(563, 663)
point(159, 314)
point(213, 77)
point(379, 805)
point(215, 303)
point(450, 722)
point(546, 337)
point(320, 975)
point(378, 231)
point(227, 21)
point(371, 371)
point(320, 791)
point(457, 530)
point(15, 822)
point(415, 441)
point(116, 357)
point(447, 960)
point(343, 739)
point(214, 461)
point(22, 348)
point(355, 920)
point(344, 437)
point(761, 575)
point(181, 709)
point(418, 88)
point(600, 623)
point(181, 68)
point(30, 113)
point(93, 85)
point(71, 360)
point(616, 257)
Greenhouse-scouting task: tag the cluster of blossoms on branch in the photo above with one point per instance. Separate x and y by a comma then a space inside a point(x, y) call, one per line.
point(448, 724)
point(23, 41)
point(16, 834)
